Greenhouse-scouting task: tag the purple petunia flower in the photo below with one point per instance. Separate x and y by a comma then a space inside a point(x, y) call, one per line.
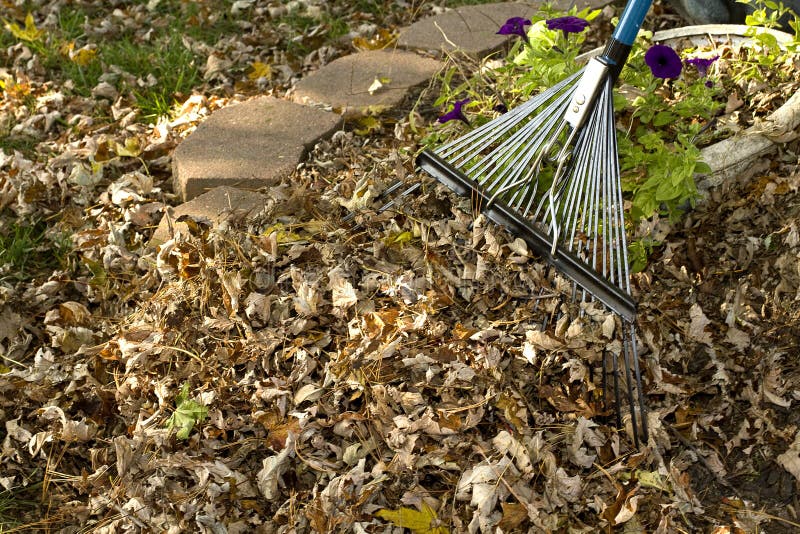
point(567, 24)
point(702, 64)
point(456, 113)
point(515, 26)
point(663, 61)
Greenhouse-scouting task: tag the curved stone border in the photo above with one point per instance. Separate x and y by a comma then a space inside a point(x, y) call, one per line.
point(703, 31)
point(736, 156)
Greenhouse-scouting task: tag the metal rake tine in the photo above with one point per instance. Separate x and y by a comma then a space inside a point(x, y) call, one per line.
point(617, 400)
point(630, 335)
point(629, 384)
point(399, 197)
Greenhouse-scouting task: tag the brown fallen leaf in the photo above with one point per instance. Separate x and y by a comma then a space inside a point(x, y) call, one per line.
point(514, 514)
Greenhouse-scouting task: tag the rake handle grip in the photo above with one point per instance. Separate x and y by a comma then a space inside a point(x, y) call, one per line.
point(619, 46)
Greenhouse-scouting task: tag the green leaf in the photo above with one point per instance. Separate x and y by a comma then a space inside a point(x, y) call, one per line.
point(768, 40)
point(187, 413)
point(702, 167)
point(662, 118)
point(419, 522)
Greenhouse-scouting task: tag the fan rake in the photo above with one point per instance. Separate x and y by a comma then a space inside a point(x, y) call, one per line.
point(548, 171)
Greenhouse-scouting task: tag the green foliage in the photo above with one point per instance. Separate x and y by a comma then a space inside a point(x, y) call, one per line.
point(639, 251)
point(659, 156)
point(766, 14)
point(28, 249)
point(152, 71)
point(550, 55)
point(769, 58)
point(187, 413)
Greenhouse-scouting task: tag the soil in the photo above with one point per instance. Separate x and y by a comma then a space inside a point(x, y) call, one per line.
point(710, 247)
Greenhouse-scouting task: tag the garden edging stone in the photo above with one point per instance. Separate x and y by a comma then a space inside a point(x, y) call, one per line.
point(253, 144)
point(473, 29)
point(217, 205)
point(366, 82)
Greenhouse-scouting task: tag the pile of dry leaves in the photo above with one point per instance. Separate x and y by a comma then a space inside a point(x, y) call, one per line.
point(415, 369)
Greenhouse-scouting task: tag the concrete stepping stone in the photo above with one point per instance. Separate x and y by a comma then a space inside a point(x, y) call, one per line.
point(473, 29)
point(250, 145)
point(217, 205)
point(349, 86)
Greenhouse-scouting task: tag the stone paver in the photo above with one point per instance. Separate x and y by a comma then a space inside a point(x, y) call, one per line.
point(253, 144)
point(344, 84)
point(473, 29)
point(217, 205)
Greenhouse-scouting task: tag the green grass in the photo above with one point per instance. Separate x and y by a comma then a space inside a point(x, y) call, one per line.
point(25, 145)
point(11, 508)
point(173, 65)
point(27, 250)
point(14, 503)
point(164, 56)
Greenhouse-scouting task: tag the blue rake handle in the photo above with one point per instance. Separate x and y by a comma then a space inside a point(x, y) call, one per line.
point(631, 20)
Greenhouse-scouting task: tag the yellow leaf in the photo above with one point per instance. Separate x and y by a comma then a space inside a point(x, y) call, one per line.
point(367, 125)
point(29, 33)
point(66, 48)
point(400, 239)
point(84, 56)
point(259, 70)
point(382, 40)
point(282, 235)
point(130, 149)
point(424, 522)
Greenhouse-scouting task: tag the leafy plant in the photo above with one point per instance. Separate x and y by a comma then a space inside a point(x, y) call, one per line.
point(188, 413)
